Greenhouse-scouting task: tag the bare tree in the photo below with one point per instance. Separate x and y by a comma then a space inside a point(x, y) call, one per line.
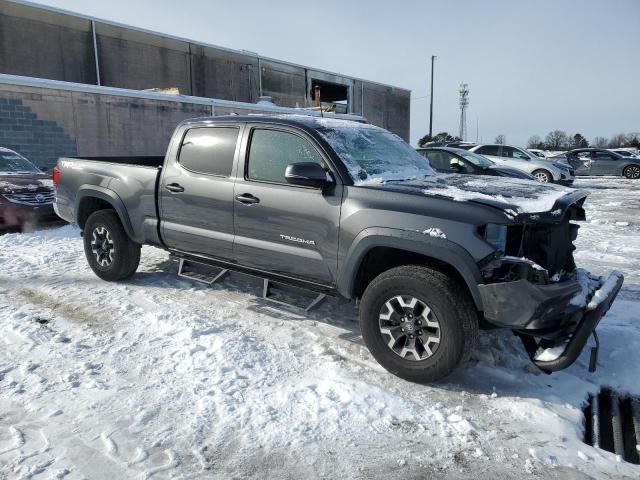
point(557, 140)
point(633, 140)
point(600, 142)
point(618, 140)
point(534, 142)
point(500, 139)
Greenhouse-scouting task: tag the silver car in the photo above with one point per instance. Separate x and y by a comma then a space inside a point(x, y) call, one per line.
point(542, 170)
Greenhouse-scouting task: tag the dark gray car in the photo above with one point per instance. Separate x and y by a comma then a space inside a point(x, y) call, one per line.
point(351, 210)
point(597, 161)
point(457, 160)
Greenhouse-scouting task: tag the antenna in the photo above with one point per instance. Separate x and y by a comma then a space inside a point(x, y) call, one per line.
point(464, 103)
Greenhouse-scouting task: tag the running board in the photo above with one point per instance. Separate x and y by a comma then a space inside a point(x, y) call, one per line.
point(267, 294)
point(183, 271)
point(188, 268)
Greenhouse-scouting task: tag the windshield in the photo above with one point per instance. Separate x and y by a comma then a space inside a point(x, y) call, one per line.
point(11, 162)
point(372, 154)
point(529, 154)
point(477, 160)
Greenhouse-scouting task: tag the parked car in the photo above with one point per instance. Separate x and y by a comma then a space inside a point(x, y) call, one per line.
point(455, 160)
point(543, 170)
point(351, 210)
point(627, 153)
point(539, 153)
point(456, 144)
point(598, 161)
point(26, 193)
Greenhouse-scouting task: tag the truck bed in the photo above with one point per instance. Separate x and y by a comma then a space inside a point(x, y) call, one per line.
point(128, 183)
point(142, 161)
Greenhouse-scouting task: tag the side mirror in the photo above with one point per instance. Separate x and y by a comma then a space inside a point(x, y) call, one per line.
point(455, 168)
point(307, 174)
point(44, 169)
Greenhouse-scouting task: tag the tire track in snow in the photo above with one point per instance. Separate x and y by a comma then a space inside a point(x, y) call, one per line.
point(172, 462)
point(18, 440)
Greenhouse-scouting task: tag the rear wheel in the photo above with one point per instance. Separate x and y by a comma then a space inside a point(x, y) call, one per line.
point(632, 172)
point(418, 323)
point(111, 254)
point(543, 176)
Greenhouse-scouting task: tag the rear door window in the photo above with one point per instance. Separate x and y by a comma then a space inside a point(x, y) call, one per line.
point(489, 150)
point(209, 150)
point(271, 151)
point(437, 160)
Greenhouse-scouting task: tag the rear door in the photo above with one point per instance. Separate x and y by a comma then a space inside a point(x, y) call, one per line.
point(279, 227)
point(196, 191)
point(605, 163)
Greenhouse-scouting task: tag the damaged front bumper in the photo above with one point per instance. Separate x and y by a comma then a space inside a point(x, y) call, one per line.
point(554, 320)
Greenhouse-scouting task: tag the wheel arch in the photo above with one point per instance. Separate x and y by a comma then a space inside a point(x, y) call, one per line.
point(92, 198)
point(377, 250)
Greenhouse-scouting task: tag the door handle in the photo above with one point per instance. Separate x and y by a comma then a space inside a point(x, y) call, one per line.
point(174, 187)
point(247, 199)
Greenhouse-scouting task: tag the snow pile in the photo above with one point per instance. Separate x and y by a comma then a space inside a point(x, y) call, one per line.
point(158, 377)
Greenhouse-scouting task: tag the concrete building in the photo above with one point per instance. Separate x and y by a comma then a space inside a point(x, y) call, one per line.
point(114, 61)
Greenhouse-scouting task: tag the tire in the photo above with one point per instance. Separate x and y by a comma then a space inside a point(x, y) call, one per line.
point(450, 307)
point(542, 176)
point(632, 172)
point(111, 254)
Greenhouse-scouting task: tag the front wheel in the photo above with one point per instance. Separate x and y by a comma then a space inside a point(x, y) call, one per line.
point(111, 254)
point(418, 323)
point(543, 176)
point(632, 172)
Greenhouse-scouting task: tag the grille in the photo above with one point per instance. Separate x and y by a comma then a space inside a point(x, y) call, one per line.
point(612, 422)
point(30, 198)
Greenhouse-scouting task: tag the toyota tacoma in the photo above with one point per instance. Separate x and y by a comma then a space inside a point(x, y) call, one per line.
point(351, 210)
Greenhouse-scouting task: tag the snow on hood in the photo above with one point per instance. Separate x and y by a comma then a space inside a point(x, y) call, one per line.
point(528, 196)
point(519, 195)
point(28, 185)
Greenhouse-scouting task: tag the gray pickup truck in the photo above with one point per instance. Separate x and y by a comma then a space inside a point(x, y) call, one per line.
point(349, 209)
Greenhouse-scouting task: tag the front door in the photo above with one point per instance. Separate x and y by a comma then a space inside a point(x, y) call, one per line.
point(283, 228)
point(196, 192)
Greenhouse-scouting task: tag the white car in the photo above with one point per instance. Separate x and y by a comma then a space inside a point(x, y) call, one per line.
point(542, 170)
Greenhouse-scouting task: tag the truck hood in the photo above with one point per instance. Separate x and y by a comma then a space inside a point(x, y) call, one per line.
point(33, 182)
point(518, 199)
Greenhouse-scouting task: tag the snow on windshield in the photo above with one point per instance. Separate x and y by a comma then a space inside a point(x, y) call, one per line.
point(11, 162)
point(372, 154)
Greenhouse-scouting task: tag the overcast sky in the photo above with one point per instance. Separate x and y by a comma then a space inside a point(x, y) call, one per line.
point(532, 66)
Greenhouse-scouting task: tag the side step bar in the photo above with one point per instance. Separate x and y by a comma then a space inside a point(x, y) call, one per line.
point(199, 276)
point(268, 295)
point(201, 272)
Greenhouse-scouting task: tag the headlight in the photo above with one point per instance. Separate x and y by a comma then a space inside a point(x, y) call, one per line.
point(496, 235)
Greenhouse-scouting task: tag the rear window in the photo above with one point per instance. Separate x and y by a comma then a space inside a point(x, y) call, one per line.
point(209, 150)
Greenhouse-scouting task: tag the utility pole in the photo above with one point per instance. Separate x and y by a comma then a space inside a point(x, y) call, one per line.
point(464, 103)
point(433, 58)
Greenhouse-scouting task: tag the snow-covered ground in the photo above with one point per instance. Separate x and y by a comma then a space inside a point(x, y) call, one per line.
point(164, 378)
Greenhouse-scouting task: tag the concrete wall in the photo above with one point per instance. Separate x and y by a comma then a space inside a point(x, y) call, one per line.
point(43, 124)
point(136, 60)
point(38, 43)
point(225, 75)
